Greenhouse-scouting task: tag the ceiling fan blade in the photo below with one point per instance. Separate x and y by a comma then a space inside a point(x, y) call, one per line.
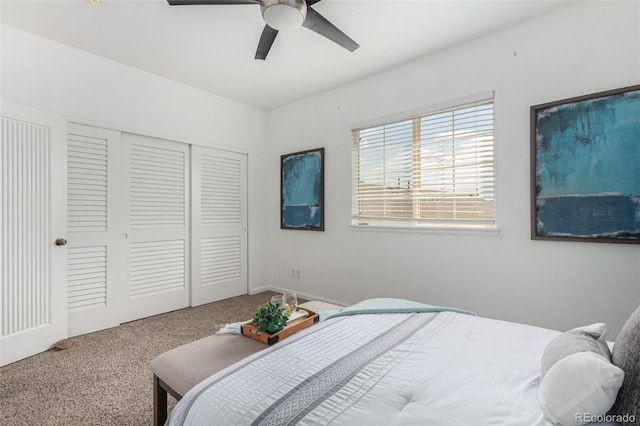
point(266, 40)
point(195, 2)
point(312, 2)
point(316, 22)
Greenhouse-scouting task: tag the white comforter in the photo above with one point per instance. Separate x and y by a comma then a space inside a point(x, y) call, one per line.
point(382, 369)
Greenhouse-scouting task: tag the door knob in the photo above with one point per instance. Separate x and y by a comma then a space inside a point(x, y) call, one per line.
point(61, 242)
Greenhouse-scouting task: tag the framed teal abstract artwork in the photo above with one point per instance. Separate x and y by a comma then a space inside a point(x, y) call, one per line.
point(302, 190)
point(585, 168)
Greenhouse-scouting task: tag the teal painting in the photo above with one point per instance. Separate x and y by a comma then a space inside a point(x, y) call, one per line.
point(302, 190)
point(586, 168)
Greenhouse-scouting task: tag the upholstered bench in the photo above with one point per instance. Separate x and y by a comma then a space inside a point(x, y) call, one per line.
point(180, 369)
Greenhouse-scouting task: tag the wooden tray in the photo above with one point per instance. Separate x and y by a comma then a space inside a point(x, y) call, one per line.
point(249, 329)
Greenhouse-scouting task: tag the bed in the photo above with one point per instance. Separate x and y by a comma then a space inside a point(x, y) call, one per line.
point(394, 362)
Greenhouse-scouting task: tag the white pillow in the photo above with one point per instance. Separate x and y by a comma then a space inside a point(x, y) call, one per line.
point(578, 378)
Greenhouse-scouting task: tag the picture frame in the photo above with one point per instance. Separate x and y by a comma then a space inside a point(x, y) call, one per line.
point(585, 168)
point(302, 190)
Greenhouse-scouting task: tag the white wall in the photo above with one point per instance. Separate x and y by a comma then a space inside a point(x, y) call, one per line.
point(53, 77)
point(582, 49)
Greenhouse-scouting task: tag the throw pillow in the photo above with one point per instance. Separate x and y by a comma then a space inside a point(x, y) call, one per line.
point(577, 377)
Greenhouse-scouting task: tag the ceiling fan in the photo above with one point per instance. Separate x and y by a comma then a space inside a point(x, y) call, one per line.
point(281, 15)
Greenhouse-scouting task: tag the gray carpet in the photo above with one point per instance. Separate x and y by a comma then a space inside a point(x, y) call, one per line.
point(104, 378)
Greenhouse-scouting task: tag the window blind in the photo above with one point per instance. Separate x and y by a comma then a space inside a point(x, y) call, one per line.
point(434, 168)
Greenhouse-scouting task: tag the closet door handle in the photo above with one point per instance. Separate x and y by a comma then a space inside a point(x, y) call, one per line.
point(61, 242)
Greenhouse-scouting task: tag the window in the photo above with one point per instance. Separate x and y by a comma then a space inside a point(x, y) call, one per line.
point(433, 168)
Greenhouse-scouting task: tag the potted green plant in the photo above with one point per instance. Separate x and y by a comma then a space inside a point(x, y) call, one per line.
point(270, 318)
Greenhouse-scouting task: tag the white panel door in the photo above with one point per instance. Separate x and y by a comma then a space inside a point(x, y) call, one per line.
point(156, 232)
point(95, 204)
point(34, 192)
point(219, 228)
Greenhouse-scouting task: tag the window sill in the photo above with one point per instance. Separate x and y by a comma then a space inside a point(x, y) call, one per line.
point(488, 231)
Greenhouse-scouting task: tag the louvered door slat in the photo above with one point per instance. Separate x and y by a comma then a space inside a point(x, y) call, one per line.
point(87, 274)
point(164, 278)
point(221, 195)
point(167, 281)
point(220, 259)
point(155, 258)
point(148, 195)
point(87, 183)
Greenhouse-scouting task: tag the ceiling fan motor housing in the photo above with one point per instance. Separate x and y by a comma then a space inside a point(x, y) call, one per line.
point(283, 15)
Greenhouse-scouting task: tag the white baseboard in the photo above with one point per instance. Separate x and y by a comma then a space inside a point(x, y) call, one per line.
point(303, 295)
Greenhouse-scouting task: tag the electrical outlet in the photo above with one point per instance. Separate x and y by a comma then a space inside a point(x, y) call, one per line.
point(298, 273)
point(293, 273)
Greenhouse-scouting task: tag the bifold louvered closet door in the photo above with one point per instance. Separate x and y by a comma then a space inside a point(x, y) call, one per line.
point(219, 237)
point(155, 225)
point(157, 230)
point(128, 219)
point(33, 202)
point(95, 228)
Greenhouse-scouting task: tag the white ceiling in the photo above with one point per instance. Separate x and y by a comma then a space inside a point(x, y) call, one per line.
point(212, 47)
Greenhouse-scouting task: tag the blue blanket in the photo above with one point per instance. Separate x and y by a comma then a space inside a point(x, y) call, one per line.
point(387, 306)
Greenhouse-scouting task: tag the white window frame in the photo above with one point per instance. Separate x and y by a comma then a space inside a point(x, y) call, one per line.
point(486, 227)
